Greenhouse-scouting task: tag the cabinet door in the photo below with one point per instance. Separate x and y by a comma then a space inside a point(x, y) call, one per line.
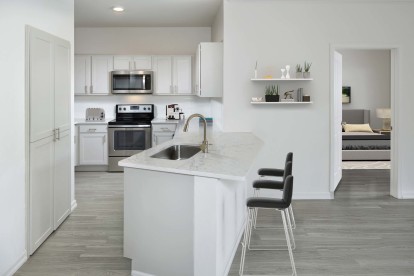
point(182, 75)
point(62, 85)
point(101, 68)
point(41, 85)
point(211, 69)
point(82, 74)
point(123, 63)
point(161, 137)
point(41, 191)
point(142, 62)
point(93, 149)
point(62, 178)
point(162, 72)
point(76, 145)
point(197, 70)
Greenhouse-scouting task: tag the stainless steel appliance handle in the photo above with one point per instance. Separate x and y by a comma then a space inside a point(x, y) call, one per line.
point(129, 126)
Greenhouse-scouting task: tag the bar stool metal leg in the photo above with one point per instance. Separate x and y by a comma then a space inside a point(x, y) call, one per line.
point(245, 239)
point(293, 244)
point(292, 217)
point(292, 261)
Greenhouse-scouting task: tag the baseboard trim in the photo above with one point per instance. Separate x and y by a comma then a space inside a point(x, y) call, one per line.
point(17, 264)
point(408, 196)
point(139, 273)
point(326, 195)
point(74, 205)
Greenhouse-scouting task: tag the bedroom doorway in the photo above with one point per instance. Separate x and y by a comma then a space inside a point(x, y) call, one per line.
point(364, 93)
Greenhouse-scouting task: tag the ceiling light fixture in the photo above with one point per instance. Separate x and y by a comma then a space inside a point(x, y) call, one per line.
point(118, 9)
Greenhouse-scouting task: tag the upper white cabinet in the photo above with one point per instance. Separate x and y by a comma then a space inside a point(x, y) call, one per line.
point(209, 69)
point(92, 74)
point(132, 62)
point(172, 75)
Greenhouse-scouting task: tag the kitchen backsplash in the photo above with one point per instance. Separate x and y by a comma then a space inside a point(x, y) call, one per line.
point(189, 104)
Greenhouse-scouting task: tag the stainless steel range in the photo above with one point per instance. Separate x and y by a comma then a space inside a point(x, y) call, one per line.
point(129, 133)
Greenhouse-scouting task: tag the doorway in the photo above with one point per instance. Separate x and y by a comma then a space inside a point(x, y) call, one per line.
point(336, 111)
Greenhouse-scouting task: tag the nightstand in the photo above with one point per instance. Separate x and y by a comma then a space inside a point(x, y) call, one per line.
point(380, 131)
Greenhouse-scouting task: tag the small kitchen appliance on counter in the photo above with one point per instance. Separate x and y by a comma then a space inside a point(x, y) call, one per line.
point(95, 114)
point(129, 133)
point(173, 112)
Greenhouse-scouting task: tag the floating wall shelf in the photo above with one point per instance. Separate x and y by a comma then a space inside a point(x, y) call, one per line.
point(280, 103)
point(281, 79)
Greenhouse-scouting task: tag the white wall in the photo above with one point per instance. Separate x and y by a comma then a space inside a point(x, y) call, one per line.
point(368, 73)
point(145, 41)
point(289, 32)
point(55, 17)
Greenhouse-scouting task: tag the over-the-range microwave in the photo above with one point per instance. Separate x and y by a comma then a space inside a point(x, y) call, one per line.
point(132, 82)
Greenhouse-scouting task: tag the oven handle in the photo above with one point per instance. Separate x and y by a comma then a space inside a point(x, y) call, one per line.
point(129, 126)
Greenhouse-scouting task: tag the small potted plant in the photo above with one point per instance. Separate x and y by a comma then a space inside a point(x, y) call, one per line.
point(299, 71)
point(272, 93)
point(307, 67)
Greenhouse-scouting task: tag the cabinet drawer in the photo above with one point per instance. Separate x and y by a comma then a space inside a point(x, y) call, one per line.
point(164, 127)
point(93, 128)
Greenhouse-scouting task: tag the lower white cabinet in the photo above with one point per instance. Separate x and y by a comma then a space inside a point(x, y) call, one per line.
point(93, 145)
point(162, 132)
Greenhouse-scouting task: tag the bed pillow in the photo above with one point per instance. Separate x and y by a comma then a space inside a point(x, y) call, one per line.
point(357, 128)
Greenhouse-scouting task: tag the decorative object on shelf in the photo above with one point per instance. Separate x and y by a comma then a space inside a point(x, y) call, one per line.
point(268, 77)
point(346, 94)
point(307, 67)
point(287, 72)
point(299, 71)
point(288, 96)
point(299, 94)
point(257, 99)
point(385, 114)
point(272, 93)
point(255, 71)
point(283, 73)
point(306, 98)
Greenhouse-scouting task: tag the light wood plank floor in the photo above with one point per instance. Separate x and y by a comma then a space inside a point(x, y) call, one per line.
point(362, 232)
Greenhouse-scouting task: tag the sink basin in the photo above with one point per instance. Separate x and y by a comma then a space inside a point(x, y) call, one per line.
point(177, 152)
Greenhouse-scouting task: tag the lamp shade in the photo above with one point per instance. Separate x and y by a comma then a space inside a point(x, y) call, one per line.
point(384, 113)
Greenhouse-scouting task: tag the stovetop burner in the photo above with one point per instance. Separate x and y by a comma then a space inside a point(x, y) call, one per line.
point(139, 115)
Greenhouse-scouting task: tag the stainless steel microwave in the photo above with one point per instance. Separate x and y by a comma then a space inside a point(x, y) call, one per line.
point(132, 82)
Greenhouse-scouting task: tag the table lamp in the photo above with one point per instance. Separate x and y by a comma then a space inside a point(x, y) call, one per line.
point(385, 114)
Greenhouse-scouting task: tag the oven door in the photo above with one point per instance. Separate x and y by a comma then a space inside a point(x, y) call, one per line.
point(126, 141)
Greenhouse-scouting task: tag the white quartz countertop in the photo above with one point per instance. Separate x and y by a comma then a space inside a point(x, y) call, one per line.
point(82, 121)
point(230, 155)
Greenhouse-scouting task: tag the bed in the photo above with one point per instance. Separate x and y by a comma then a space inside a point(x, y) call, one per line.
point(363, 145)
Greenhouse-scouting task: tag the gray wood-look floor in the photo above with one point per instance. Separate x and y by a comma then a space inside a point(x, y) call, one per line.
point(363, 231)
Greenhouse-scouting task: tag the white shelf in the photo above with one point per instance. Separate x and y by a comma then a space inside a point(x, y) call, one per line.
point(282, 79)
point(281, 102)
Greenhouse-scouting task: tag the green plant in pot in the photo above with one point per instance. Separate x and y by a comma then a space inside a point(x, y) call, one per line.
point(272, 93)
point(307, 67)
point(299, 71)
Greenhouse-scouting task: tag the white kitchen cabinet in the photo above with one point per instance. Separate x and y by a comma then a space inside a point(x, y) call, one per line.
point(162, 132)
point(92, 74)
point(75, 145)
point(209, 69)
point(132, 62)
point(93, 145)
point(172, 75)
point(49, 109)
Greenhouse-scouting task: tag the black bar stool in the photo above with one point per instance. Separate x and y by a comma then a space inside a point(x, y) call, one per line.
point(281, 205)
point(274, 185)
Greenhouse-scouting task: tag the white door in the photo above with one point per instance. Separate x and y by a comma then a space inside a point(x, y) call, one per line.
point(41, 85)
point(62, 178)
point(41, 191)
point(82, 74)
point(93, 149)
point(142, 63)
point(337, 120)
point(62, 85)
point(182, 75)
point(123, 63)
point(101, 68)
point(162, 72)
point(161, 137)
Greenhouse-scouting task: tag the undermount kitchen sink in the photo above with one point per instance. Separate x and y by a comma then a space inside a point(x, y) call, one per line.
point(177, 152)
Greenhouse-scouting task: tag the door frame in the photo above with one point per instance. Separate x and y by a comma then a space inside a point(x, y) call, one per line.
point(395, 185)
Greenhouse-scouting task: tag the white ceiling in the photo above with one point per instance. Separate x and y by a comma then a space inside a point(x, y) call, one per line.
point(146, 13)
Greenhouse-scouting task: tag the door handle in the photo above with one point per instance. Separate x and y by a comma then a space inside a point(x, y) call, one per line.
point(58, 133)
point(91, 88)
point(54, 135)
point(104, 139)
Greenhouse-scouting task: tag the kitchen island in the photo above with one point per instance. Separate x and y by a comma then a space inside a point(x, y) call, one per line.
point(186, 217)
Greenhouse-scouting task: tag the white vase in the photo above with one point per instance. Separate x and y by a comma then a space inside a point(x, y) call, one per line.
point(287, 71)
point(283, 73)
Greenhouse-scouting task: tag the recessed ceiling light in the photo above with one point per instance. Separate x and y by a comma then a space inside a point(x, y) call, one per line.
point(118, 9)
